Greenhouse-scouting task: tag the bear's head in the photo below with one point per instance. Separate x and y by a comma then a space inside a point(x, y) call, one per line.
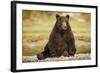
point(62, 22)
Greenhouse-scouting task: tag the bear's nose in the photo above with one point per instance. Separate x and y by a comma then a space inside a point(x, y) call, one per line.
point(64, 26)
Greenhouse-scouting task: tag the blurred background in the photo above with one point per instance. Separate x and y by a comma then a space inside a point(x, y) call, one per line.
point(37, 26)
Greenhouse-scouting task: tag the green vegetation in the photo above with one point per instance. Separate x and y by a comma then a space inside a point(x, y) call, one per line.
point(37, 26)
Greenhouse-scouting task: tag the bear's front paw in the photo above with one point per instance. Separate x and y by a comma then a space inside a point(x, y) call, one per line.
point(72, 51)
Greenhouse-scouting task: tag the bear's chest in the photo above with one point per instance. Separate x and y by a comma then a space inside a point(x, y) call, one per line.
point(67, 36)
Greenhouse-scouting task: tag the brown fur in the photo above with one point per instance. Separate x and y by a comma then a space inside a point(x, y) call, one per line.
point(61, 42)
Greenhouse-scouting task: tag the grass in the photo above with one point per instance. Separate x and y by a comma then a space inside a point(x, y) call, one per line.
point(33, 51)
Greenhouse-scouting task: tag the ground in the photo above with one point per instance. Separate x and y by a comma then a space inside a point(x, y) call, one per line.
point(62, 58)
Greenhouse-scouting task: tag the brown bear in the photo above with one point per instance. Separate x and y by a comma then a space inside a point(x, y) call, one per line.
point(61, 41)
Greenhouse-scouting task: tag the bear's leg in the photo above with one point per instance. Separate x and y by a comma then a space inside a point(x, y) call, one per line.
point(52, 53)
point(44, 54)
point(71, 47)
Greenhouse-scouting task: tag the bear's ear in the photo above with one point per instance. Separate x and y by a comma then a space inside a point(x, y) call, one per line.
point(67, 16)
point(57, 16)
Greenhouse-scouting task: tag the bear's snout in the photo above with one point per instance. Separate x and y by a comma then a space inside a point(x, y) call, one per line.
point(64, 26)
